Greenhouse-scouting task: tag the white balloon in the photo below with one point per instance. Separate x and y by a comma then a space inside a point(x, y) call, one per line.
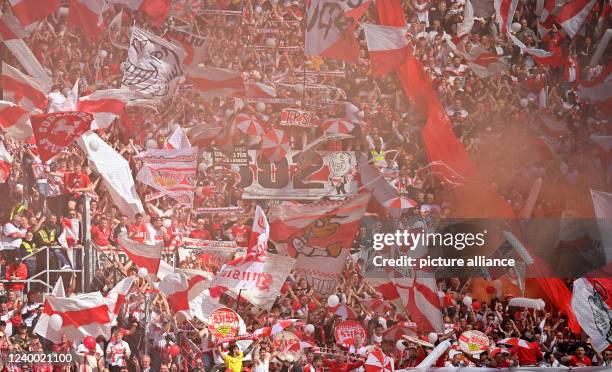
point(167, 223)
point(143, 272)
point(94, 146)
point(271, 42)
point(103, 53)
point(333, 301)
point(55, 322)
point(467, 300)
point(432, 337)
point(202, 167)
point(400, 345)
point(515, 27)
point(261, 107)
point(524, 102)
point(63, 11)
point(309, 328)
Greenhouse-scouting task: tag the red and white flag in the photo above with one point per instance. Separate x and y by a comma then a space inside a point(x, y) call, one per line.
point(171, 171)
point(592, 304)
point(105, 106)
point(156, 9)
point(216, 82)
point(331, 37)
point(259, 90)
point(24, 90)
point(278, 327)
point(505, 13)
point(419, 294)
point(573, 14)
point(6, 159)
point(388, 47)
point(30, 11)
point(599, 90)
point(116, 296)
point(11, 28)
point(554, 58)
point(319, 236)
point(87, 15)
point(481, 61)
point(195, 47)
point(260, 232)
point(54, 132)
point(181, 288)
point(15, 121)
point(83, 315)
point(143, 255)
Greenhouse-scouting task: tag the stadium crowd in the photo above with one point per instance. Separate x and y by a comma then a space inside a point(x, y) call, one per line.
point(497, 118)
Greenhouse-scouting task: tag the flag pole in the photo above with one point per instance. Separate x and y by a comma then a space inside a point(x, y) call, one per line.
point(238, 299)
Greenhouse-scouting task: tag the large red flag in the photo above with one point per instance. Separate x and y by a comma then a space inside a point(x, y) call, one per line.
point(56, 131)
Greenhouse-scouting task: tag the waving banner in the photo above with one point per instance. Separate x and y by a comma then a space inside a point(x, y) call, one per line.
point(171, 171)
point(319, 236)
point(153, 66)
point(54, 132)
point(328, 173)
point(193, 45)
point(258, 278)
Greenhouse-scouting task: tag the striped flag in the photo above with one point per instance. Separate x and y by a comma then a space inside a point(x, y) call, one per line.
point(15, 121)
point(216, 82)
point(388, 47)
point(573, 14)
point(143, 255)
point(505, 13)
point(87, 15)
point(82, 315)
point(24, 90)
point(181, 288)
point(105, 106)
point(11, 29)
point(116, 296)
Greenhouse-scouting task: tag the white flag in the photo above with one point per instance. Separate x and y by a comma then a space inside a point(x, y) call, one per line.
point(153, 66)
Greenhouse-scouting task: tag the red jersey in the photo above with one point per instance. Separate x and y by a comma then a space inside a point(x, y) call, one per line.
point(575, 361)
point(100, 235)
point(528, 356)
point(241, 235)
point(335, 366)
point(76, 181)
point(21, 272)
point(137, 232)
point(200, 234)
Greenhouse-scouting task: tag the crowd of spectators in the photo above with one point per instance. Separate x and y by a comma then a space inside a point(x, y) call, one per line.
point(496, 118)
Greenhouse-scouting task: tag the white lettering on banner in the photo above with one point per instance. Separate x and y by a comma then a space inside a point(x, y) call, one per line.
point(331, 174)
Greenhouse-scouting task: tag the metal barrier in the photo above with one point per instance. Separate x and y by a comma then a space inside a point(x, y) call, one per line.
point(43, 275)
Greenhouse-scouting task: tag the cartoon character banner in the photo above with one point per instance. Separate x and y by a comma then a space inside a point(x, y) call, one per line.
point(153, 65)
point(171, 171)
point(319, 236)
point(328, 173)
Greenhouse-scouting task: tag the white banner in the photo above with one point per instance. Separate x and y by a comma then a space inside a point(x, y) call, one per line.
point(171, 171)
point(330, 174)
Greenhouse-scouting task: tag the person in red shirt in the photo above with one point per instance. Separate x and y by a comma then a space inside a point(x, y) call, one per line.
point(78, 181)
point(138, 230)
point(530, 356)
point(579, 359)
point(200, 232)
point(241, 233)
point(341, 364)
point(17, 270)
point(100, 234)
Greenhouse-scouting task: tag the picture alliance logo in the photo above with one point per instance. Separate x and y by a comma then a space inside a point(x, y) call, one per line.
point(412, 239)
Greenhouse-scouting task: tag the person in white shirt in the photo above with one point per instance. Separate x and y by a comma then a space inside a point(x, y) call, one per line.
point(117, 352)
point(11, 237)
